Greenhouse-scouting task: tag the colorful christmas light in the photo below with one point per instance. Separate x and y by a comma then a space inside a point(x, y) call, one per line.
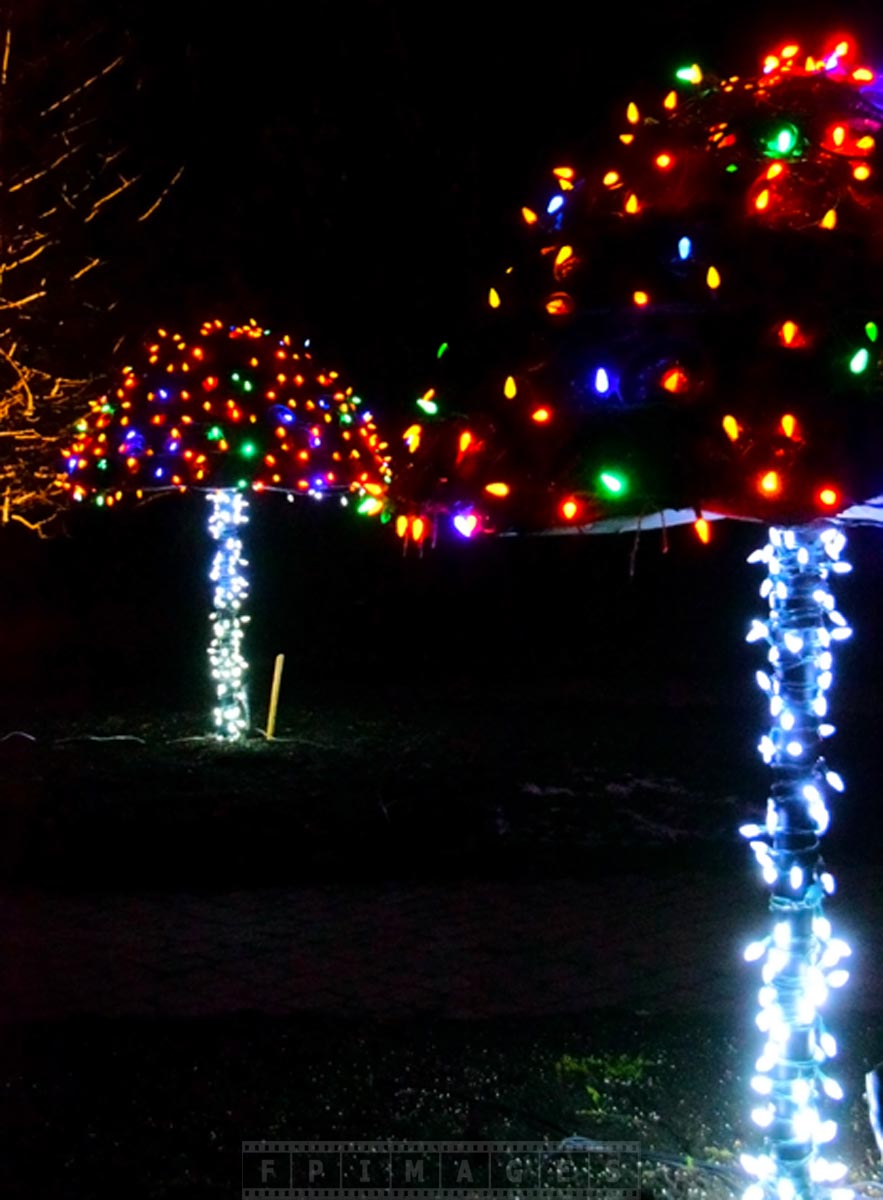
point(721, 269)
point(230, 411)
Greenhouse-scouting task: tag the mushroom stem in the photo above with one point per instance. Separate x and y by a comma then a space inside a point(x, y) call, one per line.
point(227, 664)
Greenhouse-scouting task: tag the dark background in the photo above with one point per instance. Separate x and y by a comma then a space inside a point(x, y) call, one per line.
point(354, 172)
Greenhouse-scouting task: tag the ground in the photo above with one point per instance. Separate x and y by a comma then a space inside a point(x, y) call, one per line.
point(490, 914)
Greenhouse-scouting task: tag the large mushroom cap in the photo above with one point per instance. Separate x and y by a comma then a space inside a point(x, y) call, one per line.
point(231, 406)
point(693, 324)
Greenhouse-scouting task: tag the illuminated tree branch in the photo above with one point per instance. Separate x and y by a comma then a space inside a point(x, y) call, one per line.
point(72, 184)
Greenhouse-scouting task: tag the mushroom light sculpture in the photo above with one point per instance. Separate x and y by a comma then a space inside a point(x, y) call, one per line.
point(692, 330)
point(233, 411)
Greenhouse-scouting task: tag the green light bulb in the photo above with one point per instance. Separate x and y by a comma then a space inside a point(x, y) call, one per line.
point(428, 406)
point(613, 482)
point(784, 142)
point(248, 450)
point(859, 361)
point(442, 348)
point(871, 331)
point(215, 433)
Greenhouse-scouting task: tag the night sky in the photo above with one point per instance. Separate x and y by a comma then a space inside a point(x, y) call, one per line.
point(354, 173)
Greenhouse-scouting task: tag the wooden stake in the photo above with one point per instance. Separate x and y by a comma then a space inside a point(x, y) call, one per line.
point(274, 695)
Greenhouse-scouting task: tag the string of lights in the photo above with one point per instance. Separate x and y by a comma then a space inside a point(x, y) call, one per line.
point(229, 510)
point(801, 959)
point(690, 323)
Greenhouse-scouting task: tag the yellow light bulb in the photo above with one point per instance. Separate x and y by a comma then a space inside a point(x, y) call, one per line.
point(731, 428)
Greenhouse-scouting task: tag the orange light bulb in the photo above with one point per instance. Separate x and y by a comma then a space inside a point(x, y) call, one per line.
point(770, 483)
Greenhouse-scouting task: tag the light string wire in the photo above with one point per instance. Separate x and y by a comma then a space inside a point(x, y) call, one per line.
point(801, 959)
point(227, 664)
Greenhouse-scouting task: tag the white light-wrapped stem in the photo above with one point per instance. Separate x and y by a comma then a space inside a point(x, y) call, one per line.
point(229, 510)
point(801, 960)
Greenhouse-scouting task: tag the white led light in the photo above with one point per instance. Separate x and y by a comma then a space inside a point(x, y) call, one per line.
point(226, 660)
point(797, 971)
